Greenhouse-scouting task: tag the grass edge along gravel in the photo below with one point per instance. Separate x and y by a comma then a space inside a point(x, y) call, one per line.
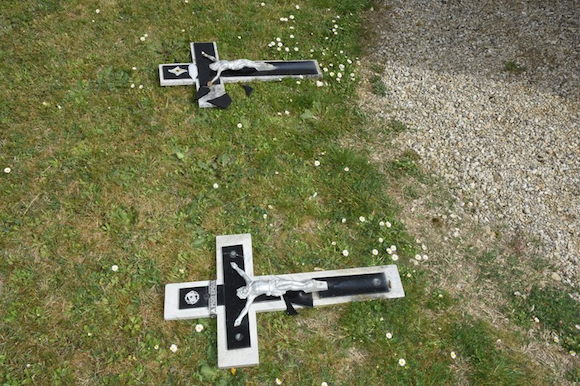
point(112, 193)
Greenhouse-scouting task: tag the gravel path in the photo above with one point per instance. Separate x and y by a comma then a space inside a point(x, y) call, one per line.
point(507, 142)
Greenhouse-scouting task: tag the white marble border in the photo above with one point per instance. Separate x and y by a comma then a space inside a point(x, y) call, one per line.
point(245, 356)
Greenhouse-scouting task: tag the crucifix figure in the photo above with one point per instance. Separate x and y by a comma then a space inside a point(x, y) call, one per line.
point(237, 295)
point(221, 65)
point(209, 73)
point(272, 287)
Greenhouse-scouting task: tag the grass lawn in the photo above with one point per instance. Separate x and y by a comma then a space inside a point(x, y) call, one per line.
point(107, 169)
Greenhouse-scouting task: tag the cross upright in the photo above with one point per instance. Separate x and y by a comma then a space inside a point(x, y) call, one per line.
point(209, 73)
point(236, 295)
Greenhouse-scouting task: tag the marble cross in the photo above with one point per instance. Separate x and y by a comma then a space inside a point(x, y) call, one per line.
point(209, 73)
point(228, 297)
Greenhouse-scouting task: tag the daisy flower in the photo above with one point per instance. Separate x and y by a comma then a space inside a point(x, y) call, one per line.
point(453, 355)
point(345, 252)
point(199, 327)
point(389, 335)
point(173, 348)
point(402, 362)
point(115, 268)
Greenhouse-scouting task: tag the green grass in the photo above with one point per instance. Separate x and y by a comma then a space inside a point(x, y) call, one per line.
point(513, 67)
point(106, 174)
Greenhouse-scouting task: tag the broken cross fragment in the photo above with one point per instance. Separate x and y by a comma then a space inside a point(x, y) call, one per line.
point(209, 73)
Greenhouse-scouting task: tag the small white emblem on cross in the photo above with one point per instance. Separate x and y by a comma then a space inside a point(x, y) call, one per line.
point(192, 297)
point(177, 71)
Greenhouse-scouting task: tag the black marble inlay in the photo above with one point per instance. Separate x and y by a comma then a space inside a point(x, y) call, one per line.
point(237, 337)
point(355, 285)
point(171, 76)
point(305, 67)
point(223, 102)
point(204, 74)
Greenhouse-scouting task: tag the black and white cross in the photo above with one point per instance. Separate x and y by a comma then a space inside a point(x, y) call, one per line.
point(238, 342)
point(213, 94)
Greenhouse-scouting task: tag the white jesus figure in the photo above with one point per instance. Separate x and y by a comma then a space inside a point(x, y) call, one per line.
point(223, 65)
point(271, 287)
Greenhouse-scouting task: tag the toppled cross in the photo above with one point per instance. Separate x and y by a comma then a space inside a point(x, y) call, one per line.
point(236, 296)
point(209, 73)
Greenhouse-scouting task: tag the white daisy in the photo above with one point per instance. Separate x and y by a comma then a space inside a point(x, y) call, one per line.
point(240, 125)
point(394, 247)
point(278, 381)
point(114, 268)
point(395, 257)
point(375, 252)
point(345, 252)
point(7, 170)
point(343, 220)
point(402, 362)
point(362, 219)
point(346, 169)
point(389, 335)
point(215, 185)
point(173, 348)
point(453, 355)
point(199, 327)
point(317, 163)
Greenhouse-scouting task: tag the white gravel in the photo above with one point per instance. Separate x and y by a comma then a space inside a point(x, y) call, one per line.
point(508, 144)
